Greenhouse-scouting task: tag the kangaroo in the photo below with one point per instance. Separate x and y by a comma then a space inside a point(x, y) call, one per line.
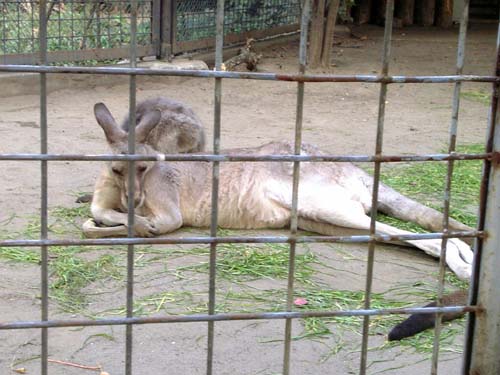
point(252, 195)
point(417, 323)
point(179, 130)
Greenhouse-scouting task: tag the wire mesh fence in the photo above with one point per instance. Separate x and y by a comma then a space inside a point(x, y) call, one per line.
point(196, 18)
point(482, 277)
point(72, 25)
point(99, 30)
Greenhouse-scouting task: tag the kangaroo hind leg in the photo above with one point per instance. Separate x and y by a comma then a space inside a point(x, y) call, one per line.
point(340, 210)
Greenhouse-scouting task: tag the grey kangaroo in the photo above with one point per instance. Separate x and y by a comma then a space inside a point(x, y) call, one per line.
point(179, 130)
point(169, 195)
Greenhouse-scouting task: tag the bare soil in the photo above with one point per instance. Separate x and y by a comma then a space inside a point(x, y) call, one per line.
point(340, 118)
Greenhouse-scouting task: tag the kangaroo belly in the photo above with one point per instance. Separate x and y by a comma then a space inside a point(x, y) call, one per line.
point(252, 212)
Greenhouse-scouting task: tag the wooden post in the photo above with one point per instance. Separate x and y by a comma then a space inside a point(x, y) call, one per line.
point(331, 18)
point(379, 12)
point(405, 11)
point(444, 16)
point(362, 11)
point(317, 33)
point(425, 12)
point(167, 27)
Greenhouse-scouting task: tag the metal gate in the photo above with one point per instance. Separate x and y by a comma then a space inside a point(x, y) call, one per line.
point(482, 351)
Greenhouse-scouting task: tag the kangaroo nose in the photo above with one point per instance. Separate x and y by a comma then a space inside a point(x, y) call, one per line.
point(136, 199)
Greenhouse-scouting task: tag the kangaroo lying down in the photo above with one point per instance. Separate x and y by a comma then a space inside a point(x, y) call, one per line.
point(252, 195)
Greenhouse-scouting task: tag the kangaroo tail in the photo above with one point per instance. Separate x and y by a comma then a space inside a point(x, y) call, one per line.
point(420, 322)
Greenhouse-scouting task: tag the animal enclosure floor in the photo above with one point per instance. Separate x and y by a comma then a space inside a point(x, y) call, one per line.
point(340, 118)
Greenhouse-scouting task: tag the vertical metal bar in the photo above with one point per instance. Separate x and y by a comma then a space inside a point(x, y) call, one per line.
point(33, 27)
point(44, 185)
point(447, 194)
point(19, 28)
point(478, 245)
point(482, 343)
point(219, 43)
point(59, 29)
point(376, 179)
point(72, 36)
point(98, 26)
point(131, 188)
point(295, 188)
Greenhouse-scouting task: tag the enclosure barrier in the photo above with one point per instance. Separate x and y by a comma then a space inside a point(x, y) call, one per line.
point(482, 351)
point(97, 30)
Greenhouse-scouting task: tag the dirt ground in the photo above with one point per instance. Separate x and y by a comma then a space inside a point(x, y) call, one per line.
point(340, 118)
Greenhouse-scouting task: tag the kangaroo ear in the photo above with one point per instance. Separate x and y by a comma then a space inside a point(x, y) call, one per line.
point(148, 122)
point(105, 119)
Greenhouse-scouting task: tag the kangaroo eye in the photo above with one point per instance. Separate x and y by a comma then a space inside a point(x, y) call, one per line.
point(142, 168)
point(117, 171)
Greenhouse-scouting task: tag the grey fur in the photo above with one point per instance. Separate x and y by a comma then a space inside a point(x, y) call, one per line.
point(169, 195)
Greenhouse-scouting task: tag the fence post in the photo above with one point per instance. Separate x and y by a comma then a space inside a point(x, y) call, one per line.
point(485, 358)
point(167, 28)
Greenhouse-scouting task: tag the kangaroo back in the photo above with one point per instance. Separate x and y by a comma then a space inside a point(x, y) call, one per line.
point(179, 129)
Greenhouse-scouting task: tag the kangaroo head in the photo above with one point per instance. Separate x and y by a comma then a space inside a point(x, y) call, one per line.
point(118, 142)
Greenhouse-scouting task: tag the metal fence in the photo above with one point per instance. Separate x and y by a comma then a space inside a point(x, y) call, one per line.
point(482, 351)
point(99, 30)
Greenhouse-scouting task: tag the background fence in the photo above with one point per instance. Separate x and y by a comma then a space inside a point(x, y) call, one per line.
point(99, 30)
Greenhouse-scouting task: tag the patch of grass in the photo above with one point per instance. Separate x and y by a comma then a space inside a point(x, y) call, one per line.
point(69, 274)
point(345, 300)
point(19, 254)
point(425, 182)
point(172, 303)
point(479, 96)
point(423, 342)
point(241, 262)
point(70, 215)
point(70, 271)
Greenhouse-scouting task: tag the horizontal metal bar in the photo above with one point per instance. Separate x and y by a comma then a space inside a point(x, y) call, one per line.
point(237, 239)
point(251, 158)
point(235, 316)
point(247, 75)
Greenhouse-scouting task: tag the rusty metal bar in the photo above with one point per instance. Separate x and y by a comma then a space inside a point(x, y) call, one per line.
point(483, 331)
point(448, 181)
point(376, 180)
point(131, 190)
point(306, 9)
point(219, 42)
point(234, 316)
point(365, 78)
point(238, 239)
point(44, 187)
point(485, 182)
point(253, 158)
